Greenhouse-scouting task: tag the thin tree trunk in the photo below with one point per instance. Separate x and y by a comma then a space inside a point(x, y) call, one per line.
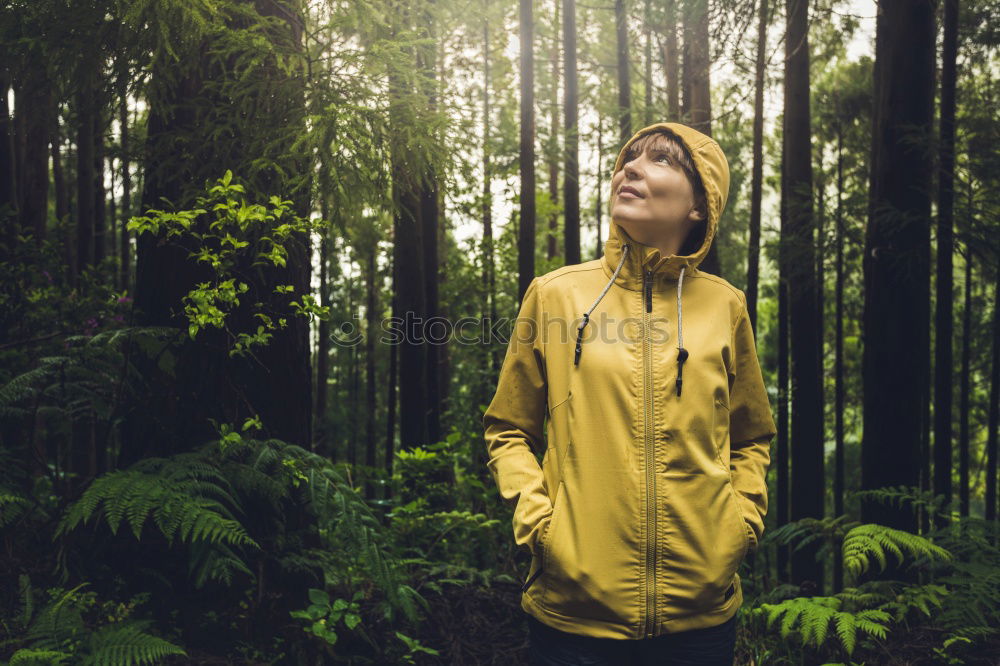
point(965, 389)
point(571, 186)
point(552, 152)
point(624, 86)
point(430, 219)
point(944, 314)
point(670, 62)
point(757, 179)
point(599, 205)
point(526, 228)
point(34, 110)
point(370, 379)
point(700, 105)
point(489, 266)
point(8, 186)
point(126, 203)
point(838, 360)
point(85, 188)
point(647, 40)
point(994, 410)
point(390, 402)
point(100, 207)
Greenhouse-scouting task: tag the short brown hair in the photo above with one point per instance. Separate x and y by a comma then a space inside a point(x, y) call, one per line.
point(678, 156)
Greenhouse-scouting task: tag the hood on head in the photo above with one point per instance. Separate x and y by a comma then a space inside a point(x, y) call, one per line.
point(713, 168)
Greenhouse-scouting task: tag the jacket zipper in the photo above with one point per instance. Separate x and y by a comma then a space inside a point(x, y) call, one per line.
point(651, 505)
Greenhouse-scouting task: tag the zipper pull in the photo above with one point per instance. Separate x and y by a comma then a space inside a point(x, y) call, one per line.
point(648, 284)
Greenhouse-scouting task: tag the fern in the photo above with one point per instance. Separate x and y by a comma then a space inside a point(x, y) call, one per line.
point(812, 617)
point(184, 497)
point(28, 657)
point(868, 541)
point(59, 633)
point(12, 507)
point(127, 644)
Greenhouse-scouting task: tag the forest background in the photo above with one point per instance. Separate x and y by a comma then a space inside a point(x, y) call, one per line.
point(211, 210)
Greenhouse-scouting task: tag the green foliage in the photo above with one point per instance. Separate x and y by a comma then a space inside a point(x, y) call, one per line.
point(322, 617)
point(413, 645)
point(236, 237)
point(812, 617)
point(184, 496)
point(75, 628)
point(963, 598)
point(12, 506)
point(867, 542)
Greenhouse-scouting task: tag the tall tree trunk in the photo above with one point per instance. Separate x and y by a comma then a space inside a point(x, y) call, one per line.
point(430, 220)
point(124, 255)
point(670, 62)
point(699, 112)
point(571, 185)
point(410, 284)
point(321, 436)
point(687, 31)
point(624, 86)
point(647, 43)
point(807, 453)
point(100, 207)
point(896, 320)
point(943, 318)
point(371, 307)
point(62, 196)
point(700, 107)
point(34, 110)
point(391, 383)
point(757, 179)
point(994, 410)
point(552, 152)
point(964, 395)
point(599, 205)
point(839, 475)
point(489, 260)
point(526, 228)
point(85, 177)
point(8, 187)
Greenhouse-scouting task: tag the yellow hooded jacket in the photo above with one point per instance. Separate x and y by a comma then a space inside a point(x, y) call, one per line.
point(648, 497)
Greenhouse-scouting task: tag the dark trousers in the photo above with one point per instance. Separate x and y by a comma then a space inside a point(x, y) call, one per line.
point(711, 646)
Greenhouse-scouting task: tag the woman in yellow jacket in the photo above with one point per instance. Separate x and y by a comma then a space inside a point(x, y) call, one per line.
point(637, 376)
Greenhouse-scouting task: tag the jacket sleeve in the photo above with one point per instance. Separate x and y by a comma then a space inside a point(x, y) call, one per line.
point(513, 424)
point(751, 427)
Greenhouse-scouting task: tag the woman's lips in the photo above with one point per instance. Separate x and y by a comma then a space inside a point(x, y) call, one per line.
point(628, 194)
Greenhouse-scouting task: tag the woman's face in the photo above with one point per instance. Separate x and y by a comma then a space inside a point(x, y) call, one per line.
point(662, 209)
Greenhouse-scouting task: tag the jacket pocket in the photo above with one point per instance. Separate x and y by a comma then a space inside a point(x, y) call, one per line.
point(705, 543)
point(538, 559)
point(742, 521)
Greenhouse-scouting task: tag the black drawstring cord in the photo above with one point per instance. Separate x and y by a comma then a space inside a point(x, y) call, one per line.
point(586, 315)
point(682, 353)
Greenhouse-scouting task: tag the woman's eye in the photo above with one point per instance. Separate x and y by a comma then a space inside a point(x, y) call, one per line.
point(663, 157)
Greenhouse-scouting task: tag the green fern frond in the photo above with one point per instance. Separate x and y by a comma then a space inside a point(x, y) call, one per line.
point(901, 496)
point(172, 491)
point(127, 644)
point(812, 616)
point(31, 657)
point(11, 507)
point(868, 541)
